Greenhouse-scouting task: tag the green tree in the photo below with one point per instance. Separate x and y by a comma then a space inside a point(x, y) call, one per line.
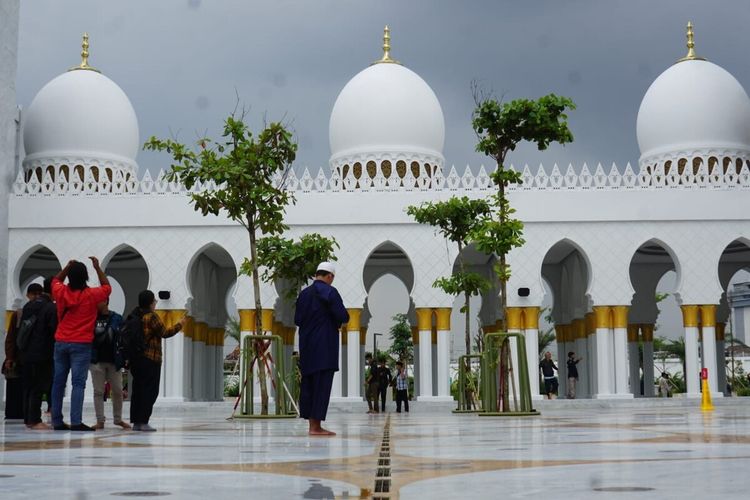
point(500, 127)
point(547, 336)
point(402, 347)
point(294, 262)
point(244, 168)
point(456, 219)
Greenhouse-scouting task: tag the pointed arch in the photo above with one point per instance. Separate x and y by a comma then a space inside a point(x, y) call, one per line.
point(38, 261)
point(130, 275)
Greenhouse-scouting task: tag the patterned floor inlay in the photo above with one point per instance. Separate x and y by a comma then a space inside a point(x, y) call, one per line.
point(432, 453)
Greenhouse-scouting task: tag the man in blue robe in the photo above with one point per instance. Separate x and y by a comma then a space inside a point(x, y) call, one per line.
point(319, 314)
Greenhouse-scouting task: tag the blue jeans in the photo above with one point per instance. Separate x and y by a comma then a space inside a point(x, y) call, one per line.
point(75, 358)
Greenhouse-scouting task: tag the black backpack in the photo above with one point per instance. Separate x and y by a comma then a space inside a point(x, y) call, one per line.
point(25, 330)
point(130, 342)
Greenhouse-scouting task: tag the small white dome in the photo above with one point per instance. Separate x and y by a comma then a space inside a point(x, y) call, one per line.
point(693, 105)
point(83, 113)
point(386, 108)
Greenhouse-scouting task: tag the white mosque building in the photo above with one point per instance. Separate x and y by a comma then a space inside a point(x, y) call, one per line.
point(598, 238)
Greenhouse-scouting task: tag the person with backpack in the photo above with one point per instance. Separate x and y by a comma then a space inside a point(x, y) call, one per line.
point(104, 365)
point(142, 332)
point(76, 313)
point(36, 343)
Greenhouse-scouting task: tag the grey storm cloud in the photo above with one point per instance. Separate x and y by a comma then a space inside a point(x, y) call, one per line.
point(184, 62)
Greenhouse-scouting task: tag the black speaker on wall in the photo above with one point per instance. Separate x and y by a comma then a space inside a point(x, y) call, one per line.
point(164, 294)
point(523, 292)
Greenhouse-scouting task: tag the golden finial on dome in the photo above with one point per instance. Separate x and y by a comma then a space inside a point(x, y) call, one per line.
point(386, 48)
point(84, 56)
point(691, 46)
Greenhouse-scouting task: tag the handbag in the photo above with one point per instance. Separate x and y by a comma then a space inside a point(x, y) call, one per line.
point(13, 372)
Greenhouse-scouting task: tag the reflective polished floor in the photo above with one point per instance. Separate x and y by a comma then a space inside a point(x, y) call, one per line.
point(579, 450)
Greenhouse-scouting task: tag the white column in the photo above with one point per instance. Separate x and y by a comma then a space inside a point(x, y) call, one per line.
point(622, 389)
point(514, 359)
point(219, 383)
point(581, 350)
point(336, 388)
point(709, 360)
point(648, 368)
point(174, 360)
point(209, 376)
point(443, 364)
point(591, 345)
point(721, 360)
point(603, 363)
point(692, 365)
point(198, 370)
point(187, 369)
point(562, 368)
point(634, 370)
point(353, 383)
point(425, 365)
point(532, 360)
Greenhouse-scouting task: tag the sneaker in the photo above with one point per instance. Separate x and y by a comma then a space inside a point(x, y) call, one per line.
point(123, 424)
point(61, 427)
point(147, 428)
point(99, 425)
point(81, 427)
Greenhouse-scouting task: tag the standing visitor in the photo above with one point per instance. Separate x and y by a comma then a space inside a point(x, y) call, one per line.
point(402, 387)
point(76, 313)
point(371, 384)
point(145, 367)
point(384, 382)
point(366, 383)
point(549, 368)
point(319, 314)
point(664, 385)
point(572, 374)
point(36, 353)
point(12, 371)
point(103, 367)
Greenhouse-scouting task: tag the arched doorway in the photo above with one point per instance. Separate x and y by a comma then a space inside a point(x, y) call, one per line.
point(654, 308)
point(39, 264)
point(484, 309)
point(388, 278)
point(565, 269)
point(733, 315)
point(212, 275)
point(128, 275)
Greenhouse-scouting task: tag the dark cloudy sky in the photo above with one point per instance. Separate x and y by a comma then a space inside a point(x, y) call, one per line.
point(181, 61)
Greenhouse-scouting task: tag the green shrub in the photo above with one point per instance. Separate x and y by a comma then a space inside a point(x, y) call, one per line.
point(743, 391)
point(232, 386)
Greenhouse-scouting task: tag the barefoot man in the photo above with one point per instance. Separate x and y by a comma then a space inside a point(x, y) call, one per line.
point(319, 314)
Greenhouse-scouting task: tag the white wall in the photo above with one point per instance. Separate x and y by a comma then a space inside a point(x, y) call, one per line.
point(8, 136)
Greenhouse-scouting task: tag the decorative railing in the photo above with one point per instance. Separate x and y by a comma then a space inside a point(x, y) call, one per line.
point(732, 176)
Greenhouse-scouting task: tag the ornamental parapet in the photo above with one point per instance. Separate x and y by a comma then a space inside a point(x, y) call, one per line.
point(711, 172)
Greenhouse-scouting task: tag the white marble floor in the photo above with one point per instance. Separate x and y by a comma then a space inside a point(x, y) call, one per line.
point(651, 450)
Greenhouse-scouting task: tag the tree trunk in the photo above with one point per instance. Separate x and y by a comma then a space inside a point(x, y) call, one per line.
point(258, 344)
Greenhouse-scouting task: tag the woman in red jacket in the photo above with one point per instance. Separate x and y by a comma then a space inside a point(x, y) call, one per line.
point(76, 314)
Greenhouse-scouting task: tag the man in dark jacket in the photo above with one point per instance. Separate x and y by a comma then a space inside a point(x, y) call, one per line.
point(320, 312)
point(384, 382)
point(37, 354)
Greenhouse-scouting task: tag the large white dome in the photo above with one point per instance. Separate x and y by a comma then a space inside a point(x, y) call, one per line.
point(81, 113)
point(386, 108)
point(694, 105)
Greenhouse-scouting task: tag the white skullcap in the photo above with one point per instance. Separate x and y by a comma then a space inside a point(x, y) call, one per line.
point(327, 267)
